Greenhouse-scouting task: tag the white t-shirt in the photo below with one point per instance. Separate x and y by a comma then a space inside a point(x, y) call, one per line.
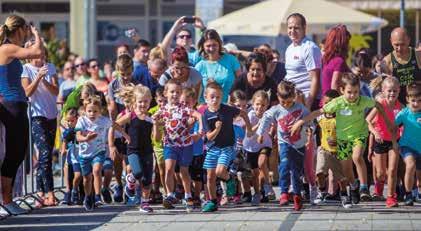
point(299, 60)
point(250, 143)
point(43, 103)
point(100, 126)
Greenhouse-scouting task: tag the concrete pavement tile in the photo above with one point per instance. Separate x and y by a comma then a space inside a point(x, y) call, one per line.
point(222, 226)
point(391, 216)
point(316, 216)
point(261, 226)
point(269, 216)
point(312, 225)
point(392, 225)
point(185, 226)
point(351, 225)
point(350, 215)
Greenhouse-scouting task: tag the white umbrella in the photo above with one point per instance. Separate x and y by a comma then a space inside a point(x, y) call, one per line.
point(268, 18)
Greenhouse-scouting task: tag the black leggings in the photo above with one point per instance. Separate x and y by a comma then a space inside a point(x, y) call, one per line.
point(14, 117)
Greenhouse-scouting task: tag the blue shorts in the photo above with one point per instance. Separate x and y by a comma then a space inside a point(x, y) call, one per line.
point(407, 151)
point(86, 163)
point(108, 164)
point(219, 156)
point(183, 155)
point(76, 167)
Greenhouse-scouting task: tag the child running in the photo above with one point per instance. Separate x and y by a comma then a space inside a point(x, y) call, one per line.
point(382, 147)
point(410, 146)
point(327, 155)
point(218, 124)
point(139, 149)
point(258, 154)
point(92, 129)
point(351, 130)
point(291, 145)
point(177, 120)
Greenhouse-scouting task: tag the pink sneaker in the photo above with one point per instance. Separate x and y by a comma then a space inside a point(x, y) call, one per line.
point(224, 200)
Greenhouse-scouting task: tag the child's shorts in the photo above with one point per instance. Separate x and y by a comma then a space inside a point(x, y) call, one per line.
point(219, 156)
point(382, 148)
point(253, 157)
point(121, 146)
point(407, 151)
point(345, 147)
point(159, 154)
point(86, 163)
point(327, 160)
point(196, 168)
point(108, 164)
point(76, 167)
point(183, 155)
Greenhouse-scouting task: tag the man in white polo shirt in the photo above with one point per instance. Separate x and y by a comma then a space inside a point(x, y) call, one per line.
point(302, 60)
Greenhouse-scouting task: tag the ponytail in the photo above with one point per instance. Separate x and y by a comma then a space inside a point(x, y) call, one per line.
point(3, 33)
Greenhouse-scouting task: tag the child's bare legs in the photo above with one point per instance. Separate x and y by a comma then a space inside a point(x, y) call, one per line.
point(118, 169)
point(348, 170)
point(108, 175)
point(379, 171)
point(169, 175)
point(263, 169)
point(185, 180)
point(76, 180)
point(161, 169)
point(255, 180)
point(357, 157)
point(97, 174)
point(409, 172)
point(87, 184)
point(211, 183)
point(392, 172)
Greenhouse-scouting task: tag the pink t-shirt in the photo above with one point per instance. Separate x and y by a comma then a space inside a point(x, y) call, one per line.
point(380, 124)
point(336, 64)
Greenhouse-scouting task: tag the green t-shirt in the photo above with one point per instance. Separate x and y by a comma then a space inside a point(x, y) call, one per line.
point(350, 117)
point(152, 111)
point(82, 80)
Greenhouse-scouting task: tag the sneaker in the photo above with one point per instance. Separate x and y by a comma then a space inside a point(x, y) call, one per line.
point(67, 200)
point(197, 202)
point(189, 203)
point(231, 187)
point(346, 201)
point(255, 199)
point(320, 198)
point(264, 198)
point(118, 193)
point(284, 200)
point(313, 194)
point(145, 208)
point(377, 197)
point(75, 197)
point(224, 201)
point(129, 192)
point(246, 198)
point(237, 199)
point(298, 205)
point(106, 195)
point(15, 209)
point(418, 198)
point(365, 195)
point(355, 196)
point(391, 201)
point(209, 206)
point(409, 199)
point(270, 193)
point(87, 204)
point(169, 202)
point(98, 201)
point(332, 197)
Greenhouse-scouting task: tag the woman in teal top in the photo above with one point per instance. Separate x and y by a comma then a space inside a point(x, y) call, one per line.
point(216, 66)
point(13, 115)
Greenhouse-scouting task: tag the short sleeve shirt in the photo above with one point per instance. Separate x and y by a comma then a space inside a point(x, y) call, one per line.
point(336, 64)
point(66, 87)
point(250, 143)
point(43, 102)
point(328, 130)
point(113, 88)
point(350, 117)
point(192, 81)
point(411, 122)
point(100, 126)
point(175, 117)
point(299, 60)
point(241, 83)
point(221, 71)
point(226, 115)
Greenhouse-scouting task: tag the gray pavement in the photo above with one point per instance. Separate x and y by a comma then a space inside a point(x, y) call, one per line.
point(365, 216)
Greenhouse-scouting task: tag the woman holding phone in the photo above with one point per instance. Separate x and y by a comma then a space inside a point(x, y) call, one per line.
point(13, 34)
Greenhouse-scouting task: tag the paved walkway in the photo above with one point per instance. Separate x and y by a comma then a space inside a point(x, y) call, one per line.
point(366, 216)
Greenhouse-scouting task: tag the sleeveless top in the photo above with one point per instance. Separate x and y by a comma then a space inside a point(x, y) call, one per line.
point(10, 82)
point(140, 132)
point(380, 124)
point(406, 73)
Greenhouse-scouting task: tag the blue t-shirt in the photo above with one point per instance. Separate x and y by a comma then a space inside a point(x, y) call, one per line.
point(198, 145)
point(411, 122)
point(140, 71)
point(10, 82)
point(239, 134)
point(194, 57)
point(226, 136)
point(221, 71)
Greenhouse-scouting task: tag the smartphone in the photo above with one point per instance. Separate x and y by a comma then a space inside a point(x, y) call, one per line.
point(189, 19)
point(131, 32)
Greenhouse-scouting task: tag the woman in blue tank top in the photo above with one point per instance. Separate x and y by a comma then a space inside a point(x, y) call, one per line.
point(13, 33)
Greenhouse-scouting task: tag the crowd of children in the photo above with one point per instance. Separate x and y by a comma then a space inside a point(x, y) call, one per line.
point(216, 153)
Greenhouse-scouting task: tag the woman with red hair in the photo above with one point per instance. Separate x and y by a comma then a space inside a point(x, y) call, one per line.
point(334, 57)
point(180, 70)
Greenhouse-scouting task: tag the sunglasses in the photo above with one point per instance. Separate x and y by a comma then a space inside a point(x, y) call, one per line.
point(68, 68)
point(94, 66)
point(184, 36)
point(79, 65)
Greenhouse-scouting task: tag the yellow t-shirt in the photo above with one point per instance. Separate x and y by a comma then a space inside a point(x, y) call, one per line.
point(328, 130)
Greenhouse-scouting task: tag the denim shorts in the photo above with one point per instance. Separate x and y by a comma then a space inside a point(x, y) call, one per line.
point(183, 155)
point(86, 163)
point(219, 156)
point(407, 151)
point(108, 164)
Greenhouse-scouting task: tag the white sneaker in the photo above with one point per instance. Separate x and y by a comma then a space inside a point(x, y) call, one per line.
point(313, 194)
point(270, 193)
point(255, 199)
point(14, 209)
